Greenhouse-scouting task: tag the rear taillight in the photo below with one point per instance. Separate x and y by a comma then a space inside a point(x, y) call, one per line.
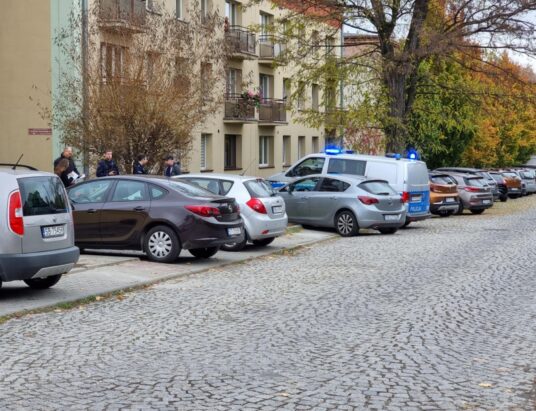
point(203, 211)
point(472, 189)
point(368, 200)
point(405, 197)
point(256, 205)
point(16, 222)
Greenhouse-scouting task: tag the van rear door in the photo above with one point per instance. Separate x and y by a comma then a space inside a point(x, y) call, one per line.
point(417, 186)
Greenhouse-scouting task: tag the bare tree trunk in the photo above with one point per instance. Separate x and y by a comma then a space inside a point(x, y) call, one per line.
point(394, 79)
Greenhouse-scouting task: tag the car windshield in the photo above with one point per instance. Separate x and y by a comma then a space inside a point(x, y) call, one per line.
point(475, 182)
point(445, 180)
point(497, 177)
point(510, 174)
point(188, 189)
point(42, 195)
point(380, 188)
point(258, 188)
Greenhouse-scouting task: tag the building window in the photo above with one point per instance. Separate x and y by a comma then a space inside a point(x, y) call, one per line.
point(231, 12)
point(205, 151)
point(112, 62)
point(266, 82)
point(286, 151)
point(205, 8)
point(316, 145)
point(301, 96)
point(206, 74)
point(233, 82)
point(179, 12)
point(265, 23)
point(266, 144)
point(230, 152)
point(286, 88)
point(301, 146)
point(314, 97)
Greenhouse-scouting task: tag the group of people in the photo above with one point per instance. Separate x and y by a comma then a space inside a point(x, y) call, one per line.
point(65, 168)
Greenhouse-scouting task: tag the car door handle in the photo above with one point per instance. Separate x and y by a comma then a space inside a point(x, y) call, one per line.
point(92, 211)
point(333, 198)
point(139, 208)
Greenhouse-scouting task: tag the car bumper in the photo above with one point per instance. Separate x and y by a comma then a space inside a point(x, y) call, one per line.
point(378, 219)
point(205, 234)
point(265, 227)
point(36, 265)
point(436, 208)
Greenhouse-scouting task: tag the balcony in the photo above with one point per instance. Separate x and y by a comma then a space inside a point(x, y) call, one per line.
point(242, 42)
point(238, 110)
point(127, 16)
point(270, 48)
point(272, 112)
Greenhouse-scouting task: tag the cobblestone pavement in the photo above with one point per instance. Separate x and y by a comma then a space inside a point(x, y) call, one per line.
point(439, 316)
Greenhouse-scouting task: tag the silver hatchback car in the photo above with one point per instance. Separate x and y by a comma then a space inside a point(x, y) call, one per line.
point(36, 226)
point(261, 209)
point(347, 203)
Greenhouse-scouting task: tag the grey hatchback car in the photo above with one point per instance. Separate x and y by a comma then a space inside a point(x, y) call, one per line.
point(36, 226)
point(347, 203)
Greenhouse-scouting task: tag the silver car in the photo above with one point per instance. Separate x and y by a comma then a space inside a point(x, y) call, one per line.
point(262, 211)
point(475, 193)
point(36, 226)
point(347, 203)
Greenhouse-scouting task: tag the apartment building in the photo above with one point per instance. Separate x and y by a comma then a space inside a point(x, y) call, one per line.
point(256, 135)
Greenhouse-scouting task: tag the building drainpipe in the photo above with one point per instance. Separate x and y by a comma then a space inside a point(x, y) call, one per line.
point(84, 52)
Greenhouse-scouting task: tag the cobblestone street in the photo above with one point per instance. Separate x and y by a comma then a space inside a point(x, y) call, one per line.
point(441, 315)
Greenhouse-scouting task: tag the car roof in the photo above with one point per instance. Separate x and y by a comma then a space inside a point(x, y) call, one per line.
point(23, 172)
point(219, 176)
point(354, 156)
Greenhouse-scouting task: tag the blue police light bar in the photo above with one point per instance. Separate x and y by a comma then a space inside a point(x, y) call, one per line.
point(396, 156)
point(413, 154)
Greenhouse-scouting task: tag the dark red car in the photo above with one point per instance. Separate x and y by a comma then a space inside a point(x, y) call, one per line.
point(153, 214)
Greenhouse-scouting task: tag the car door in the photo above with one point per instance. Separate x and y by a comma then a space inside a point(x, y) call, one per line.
point(324, 203)
point(297, 197)
point(124, 215)
point(87, 200)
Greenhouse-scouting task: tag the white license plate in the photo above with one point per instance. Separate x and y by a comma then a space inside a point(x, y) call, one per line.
point(234, 231)
point(416, 199)
point(53, 231)
point(450, 200)
point(392, 217)
point(486, 201)
point(277, 209)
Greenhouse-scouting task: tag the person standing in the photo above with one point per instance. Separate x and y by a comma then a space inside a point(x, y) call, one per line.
point(139, 164)
point(107, 166)
point(69, 173)
point(172, 168)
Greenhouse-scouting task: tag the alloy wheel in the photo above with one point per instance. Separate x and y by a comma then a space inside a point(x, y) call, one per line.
point(160, 244)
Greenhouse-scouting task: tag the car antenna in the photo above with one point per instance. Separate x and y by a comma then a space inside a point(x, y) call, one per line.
point(244, 172)
point(17, 163)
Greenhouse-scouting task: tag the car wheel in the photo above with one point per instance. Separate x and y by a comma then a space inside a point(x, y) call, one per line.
point(388, 230)
point(445, 213)
point(346, 224)
point(162, 245)
point(42, 283)
point(205, 252)
point(460, 210)
point(235, 246)
point(264, 241)
point(477, 211)
point(408, 222)
point(504, 199)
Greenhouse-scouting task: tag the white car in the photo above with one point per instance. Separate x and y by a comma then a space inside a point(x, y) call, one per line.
point(261, 209)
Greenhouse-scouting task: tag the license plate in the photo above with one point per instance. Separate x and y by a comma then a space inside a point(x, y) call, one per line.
point(53, 231)
point(234, 231)
point(392, 217)
point(486, 201)
point(277, 209)
point(450, 200)
point(416, 199)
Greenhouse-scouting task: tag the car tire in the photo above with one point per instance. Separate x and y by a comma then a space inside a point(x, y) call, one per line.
point(205, 252)
point(408, 222)
point(503, 199)
point(388, 230)
point(42, 283)
point(346, 224)
point(235, 246)
point(445, 213)
point(460, 210)
point(477, 211)
point(264, 242)
point(161, 244)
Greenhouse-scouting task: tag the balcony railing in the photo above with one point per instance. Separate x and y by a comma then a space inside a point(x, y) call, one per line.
point(122, 15)
point(272, 111)
point(241, 41)
point(270, 48)
point(238, 109)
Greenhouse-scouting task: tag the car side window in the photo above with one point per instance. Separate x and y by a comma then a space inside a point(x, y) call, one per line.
point(91, 192)
point(332, 185)
point(209, 184)
point(346, 166)
point(307, 184)
point(128, 190)
point(309, 166)
point(157, 193)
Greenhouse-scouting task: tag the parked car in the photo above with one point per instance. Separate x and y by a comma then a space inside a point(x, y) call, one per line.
point(408, 177)
point(514, 184)
point(346, 203)
point(529, 178)
point(36, 227)
point(501, 185)
point(444, 198)
point(474, 192)
point(153, 214)
point(489, 180)
point(262, 210)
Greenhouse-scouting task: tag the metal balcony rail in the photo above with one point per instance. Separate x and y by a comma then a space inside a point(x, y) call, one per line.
point(131, 12)
point(238, 108)
point(272, 111)
point(240, 39)
point(270, 47)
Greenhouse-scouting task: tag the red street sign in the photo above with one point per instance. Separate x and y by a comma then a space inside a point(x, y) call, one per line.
point(40, 131)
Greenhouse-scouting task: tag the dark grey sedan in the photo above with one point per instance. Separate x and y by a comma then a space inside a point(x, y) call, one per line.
point(153, 214)
point(347, 203)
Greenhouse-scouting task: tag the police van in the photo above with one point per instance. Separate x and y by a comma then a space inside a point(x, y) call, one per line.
point(407, 176)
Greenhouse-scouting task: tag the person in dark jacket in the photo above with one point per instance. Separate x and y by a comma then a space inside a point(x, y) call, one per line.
point(66, 173)
point(172, 168)
point(107, 166)
point(139, 164)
